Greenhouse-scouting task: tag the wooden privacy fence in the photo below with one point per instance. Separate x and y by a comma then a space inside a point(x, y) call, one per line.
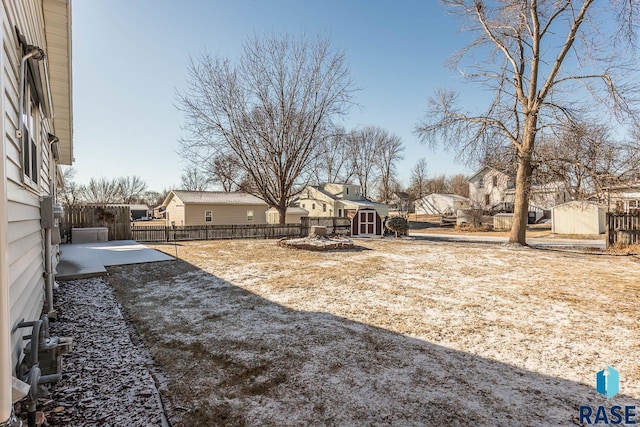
point(116, 218)
point(623, 229)
point(213, 232)
point(335, 225)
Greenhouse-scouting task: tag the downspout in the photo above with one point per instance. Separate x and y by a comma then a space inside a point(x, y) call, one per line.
point(35, 53)
point(48, 253)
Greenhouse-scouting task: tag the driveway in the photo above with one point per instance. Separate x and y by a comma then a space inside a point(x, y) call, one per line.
point(534, 242)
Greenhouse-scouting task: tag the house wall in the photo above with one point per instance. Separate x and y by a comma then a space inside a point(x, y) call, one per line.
point(625, 201)
point(175, 211)
point(225, 214)
point(25, 245)
point(482, 187)
point(317, 203)
point(344, 191)
point(578, 218)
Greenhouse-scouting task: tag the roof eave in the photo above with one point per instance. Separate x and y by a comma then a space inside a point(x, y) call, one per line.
point(57, 17)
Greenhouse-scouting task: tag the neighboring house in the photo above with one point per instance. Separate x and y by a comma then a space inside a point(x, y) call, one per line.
point(293, 215)
point(623, 198)
point(543, 196)
point(138, 211)
point(36, 69)
point(345, 200)
point(400, 202)
point(213, 208)
point(441, 204)
point(578, 217)
point(494, 191)
point(158, 212)
point(488, 187)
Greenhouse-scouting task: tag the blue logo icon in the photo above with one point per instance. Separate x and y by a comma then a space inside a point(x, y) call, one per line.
point(608, 382)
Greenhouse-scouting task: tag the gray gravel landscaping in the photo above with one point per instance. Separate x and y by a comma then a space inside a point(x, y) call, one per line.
point(107, 379)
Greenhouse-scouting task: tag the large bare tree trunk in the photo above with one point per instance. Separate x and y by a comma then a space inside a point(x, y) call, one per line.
point(523, 184)
point(282, 212)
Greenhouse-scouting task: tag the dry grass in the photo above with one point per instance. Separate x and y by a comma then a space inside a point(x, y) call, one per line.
point(397, 332)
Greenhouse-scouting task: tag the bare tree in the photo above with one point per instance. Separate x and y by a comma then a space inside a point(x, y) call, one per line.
point(131, 189)
point(546, 62)
point(459, 185)
point(226, 172)
point(374, 154)
point(333, 163)
point(388, 154)
point(266, 110)
point(418, 179)
point(437, 184)
point(72, 192)
point(362, 152)
point(194, 179)
point(101, 190)
point(584, 158)
point(153, 198)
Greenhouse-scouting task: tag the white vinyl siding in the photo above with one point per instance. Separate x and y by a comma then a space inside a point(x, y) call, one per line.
point(24, 234)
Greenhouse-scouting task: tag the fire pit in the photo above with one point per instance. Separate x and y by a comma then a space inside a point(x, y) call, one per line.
point(317, 241)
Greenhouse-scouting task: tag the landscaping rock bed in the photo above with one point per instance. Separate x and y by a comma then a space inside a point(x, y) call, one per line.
point(107, 379)
point(317, 243)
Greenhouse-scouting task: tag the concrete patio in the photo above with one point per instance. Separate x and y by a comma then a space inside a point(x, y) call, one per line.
point(83, 260)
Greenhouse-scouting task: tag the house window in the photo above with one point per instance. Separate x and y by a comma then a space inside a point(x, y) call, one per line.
point(208, 216)
point(324, 207)
point(486, 200)
point(30, 154)
point(347, 190)
point(249, 215)
point(313, 206)
point(303, 206)
point(481, 183)
point(495, 181)
point(340, 213)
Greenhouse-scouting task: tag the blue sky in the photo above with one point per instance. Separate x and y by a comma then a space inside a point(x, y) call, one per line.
point(130, 57)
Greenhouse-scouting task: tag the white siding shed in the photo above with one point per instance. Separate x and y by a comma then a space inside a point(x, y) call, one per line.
point(577, 217)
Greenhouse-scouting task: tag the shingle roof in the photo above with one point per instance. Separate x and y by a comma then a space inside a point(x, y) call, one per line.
point(217, 198)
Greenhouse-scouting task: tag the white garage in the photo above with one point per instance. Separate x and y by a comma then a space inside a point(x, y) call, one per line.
point(577, 217)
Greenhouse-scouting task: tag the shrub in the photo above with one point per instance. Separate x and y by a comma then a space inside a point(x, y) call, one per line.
point(398, 225)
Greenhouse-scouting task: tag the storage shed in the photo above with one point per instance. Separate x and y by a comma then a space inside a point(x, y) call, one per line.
point(578, 217)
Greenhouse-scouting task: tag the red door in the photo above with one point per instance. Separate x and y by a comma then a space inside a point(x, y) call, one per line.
point(367, 222)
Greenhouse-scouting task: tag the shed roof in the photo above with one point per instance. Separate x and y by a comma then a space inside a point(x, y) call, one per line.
point(214, 198)
point(580, 203)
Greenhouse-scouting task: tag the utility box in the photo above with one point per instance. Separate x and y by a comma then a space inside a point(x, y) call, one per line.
point(50, 213)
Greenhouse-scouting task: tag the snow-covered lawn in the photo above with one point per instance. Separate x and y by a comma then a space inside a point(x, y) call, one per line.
point(397, 332)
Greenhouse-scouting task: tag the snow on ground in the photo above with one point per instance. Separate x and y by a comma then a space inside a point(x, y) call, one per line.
point(396, 332)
